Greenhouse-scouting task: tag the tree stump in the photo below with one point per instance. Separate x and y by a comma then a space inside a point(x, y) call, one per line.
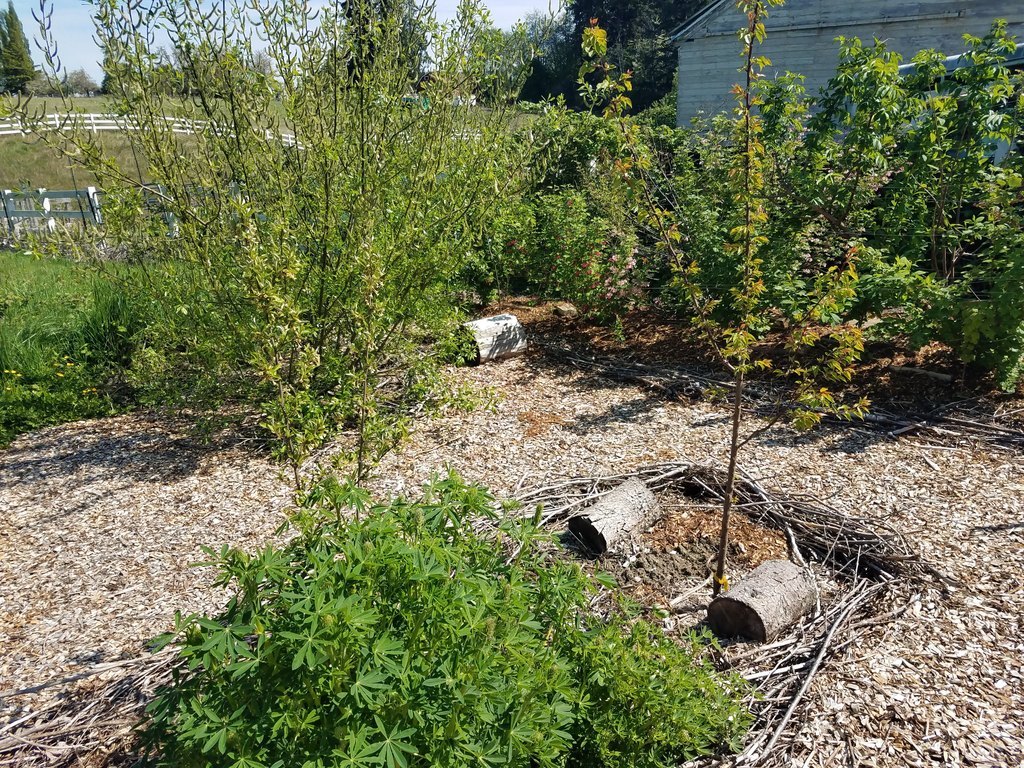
point(771, 598)
point(498, 337)
point(615, 515)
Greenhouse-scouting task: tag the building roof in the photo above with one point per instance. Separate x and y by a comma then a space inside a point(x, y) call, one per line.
point(707, 11)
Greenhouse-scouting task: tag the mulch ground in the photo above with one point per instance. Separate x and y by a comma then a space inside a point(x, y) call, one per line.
point(101, 521)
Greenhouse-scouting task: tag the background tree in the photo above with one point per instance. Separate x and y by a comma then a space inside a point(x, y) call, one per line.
point(16, 67)
point(556, 59)
point(638, 32)
point(80, 82)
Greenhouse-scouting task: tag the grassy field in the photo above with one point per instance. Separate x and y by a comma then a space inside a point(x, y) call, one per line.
point(28, 162)
point(64, 334)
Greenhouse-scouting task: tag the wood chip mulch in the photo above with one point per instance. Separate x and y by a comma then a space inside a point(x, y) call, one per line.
point(100, 521)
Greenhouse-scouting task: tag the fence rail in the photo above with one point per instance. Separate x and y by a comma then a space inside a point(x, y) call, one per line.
point(98, 123)
point(43, 208)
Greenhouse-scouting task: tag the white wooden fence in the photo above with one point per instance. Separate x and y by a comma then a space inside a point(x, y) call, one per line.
point(97, 123)
point(43, 208)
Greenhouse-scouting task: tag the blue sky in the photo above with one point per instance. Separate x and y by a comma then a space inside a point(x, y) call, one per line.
point(73, 31)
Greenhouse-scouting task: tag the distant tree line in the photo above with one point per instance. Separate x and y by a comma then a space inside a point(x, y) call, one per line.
point(638, 40)
point(16, 68)
point(18, 73)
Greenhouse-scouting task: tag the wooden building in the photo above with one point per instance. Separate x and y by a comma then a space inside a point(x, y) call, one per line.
point(802, 33)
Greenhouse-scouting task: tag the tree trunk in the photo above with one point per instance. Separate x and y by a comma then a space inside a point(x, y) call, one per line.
point(624, 509)
point(498, 337)
point(771, 598)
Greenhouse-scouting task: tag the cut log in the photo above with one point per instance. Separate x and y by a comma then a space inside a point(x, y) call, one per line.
point(771, 598)
point(498, 337)
point(943, 377)
point(626, 508)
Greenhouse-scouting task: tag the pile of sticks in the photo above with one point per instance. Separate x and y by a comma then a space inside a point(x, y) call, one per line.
point(94, 726)
point(766, 398)
point(872, 555)
point(847, 543)
point(781, 673)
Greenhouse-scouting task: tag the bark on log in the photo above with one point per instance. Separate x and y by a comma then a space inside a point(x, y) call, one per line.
point(943, 377)
point(498, 337)
point(770, 599)
point(624, 509)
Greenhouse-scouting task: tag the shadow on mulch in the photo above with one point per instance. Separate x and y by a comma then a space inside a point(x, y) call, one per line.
point(655, 340)
point(149, 450)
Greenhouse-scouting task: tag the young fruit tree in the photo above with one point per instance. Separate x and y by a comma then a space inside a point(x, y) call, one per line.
point(737, 315)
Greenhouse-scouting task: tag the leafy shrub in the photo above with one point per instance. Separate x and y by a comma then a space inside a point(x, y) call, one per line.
point(585, 258)
point(909, 169)
point(501, 261)
point(903, 176)
point(578, 142)
point(405, 638)
point(319, 211)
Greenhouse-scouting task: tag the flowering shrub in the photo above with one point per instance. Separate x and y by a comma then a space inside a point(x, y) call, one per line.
point(585, 258)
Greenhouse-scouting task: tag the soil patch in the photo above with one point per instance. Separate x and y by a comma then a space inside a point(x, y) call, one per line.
point(678, 553)
point(890, 374)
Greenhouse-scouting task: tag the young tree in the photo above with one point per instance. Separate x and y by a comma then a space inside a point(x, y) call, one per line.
point(16, 67)
point(316, 218)
point(736, 313)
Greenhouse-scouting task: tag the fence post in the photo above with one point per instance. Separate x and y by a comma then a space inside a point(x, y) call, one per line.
point(94, 204)
point(7, 211)
point(51, 223)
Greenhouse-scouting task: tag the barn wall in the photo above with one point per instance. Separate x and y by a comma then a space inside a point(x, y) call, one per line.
point(801, 38)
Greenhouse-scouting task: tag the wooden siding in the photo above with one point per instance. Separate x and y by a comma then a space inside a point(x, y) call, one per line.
point(801, 38)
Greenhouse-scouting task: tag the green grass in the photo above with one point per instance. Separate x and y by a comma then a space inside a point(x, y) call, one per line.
point(27, 162)
point(65, 334)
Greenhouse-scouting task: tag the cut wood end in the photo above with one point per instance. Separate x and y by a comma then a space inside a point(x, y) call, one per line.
point(733, 618)
point(583, 528)
point(498, 337)
point(772, 597)
point(626, 508)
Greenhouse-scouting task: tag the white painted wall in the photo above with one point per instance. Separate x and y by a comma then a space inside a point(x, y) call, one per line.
point(801, 38)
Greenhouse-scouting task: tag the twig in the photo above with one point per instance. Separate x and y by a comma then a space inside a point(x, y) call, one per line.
point(798, 696)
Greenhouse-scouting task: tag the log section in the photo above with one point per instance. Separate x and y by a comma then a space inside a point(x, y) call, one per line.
point(774, 596)
point(498, 337)
point(626, 508)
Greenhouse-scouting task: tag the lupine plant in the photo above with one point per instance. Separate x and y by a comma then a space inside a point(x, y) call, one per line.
point(400, 636)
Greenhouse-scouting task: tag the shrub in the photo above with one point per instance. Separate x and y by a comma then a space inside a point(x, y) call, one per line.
point(581, 256)
point(320, 208)
point(405, 638)
point(501, 261)
point(911, 171)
